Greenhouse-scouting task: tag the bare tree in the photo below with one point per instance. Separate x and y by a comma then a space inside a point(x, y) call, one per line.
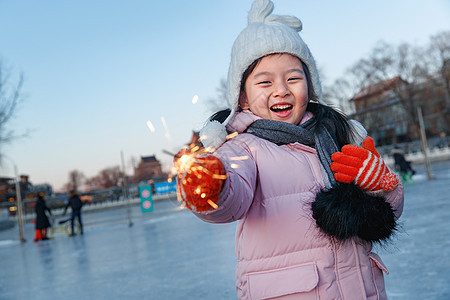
point(426, 72)
point(435, 69)
point(106, 178)
point(363, 73)
point(220, 102)
point(399, 68)
point(133, 163)
point(10, 97)
point(437, 62)
point(340, 92)
point(76, 180)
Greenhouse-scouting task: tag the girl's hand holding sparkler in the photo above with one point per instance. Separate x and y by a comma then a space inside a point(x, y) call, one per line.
point(200, 179)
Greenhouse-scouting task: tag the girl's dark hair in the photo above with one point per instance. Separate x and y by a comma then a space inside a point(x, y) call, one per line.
point(221, 115)
point(311, 93)
point(328, 115)
point(248, 71)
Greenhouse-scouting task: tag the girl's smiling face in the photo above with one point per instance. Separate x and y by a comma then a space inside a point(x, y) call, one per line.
point(277, 89)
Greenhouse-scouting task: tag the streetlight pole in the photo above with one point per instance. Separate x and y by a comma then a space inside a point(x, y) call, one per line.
point(125, 191)
point(423, 137)
point(18, 199)
point(19, 205)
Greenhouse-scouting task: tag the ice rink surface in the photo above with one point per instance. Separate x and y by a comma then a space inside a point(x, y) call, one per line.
point(170, 254)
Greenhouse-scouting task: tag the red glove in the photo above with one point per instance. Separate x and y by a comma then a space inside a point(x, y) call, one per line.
point(199, 180)
point(364, 167)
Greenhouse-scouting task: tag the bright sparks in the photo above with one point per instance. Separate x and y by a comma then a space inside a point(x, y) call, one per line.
point(195, 99)
point(184, 158)
point(232, 135)
point(150, 126)
point(244, 157)
point(167, 134)
point(214, 205)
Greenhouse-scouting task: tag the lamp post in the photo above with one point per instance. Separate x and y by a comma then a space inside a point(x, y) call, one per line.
point(19, 205)
point(423, 137)
point(125, 191)
point(18, 201)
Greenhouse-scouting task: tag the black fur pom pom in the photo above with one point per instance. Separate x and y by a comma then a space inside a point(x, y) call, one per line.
point(345, 211)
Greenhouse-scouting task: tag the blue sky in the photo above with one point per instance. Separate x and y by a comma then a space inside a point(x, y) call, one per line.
point(97, 71)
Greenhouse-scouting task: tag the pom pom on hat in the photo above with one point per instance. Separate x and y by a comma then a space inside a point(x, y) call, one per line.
point(261, 13)
point(212, 135)
point(267, 34)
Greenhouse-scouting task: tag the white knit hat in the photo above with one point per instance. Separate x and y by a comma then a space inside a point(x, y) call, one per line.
point(267, 34)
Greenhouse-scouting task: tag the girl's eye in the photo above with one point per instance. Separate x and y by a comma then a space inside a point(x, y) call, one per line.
point(264, 82)
point(294, 78)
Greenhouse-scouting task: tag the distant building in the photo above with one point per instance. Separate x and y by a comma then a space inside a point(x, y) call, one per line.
point(149, 168)
point(28, 193)
point(388, 110)
point(4, 183)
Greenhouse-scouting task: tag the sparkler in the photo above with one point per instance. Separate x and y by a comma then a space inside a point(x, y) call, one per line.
point(200, 178)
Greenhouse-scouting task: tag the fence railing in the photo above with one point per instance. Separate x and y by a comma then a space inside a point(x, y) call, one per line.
point(5, 215)
point(434, 155)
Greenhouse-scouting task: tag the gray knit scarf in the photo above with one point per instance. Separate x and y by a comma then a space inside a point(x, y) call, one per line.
point(321, 137)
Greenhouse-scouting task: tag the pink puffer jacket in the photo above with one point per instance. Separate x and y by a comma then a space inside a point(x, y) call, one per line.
point(281, 253)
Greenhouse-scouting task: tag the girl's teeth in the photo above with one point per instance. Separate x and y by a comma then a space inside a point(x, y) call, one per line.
point(281, 107)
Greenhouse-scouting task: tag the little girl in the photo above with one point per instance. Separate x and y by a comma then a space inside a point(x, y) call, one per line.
point(307, 187)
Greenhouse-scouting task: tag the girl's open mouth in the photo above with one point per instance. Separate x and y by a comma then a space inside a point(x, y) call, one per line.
point(281, 110)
